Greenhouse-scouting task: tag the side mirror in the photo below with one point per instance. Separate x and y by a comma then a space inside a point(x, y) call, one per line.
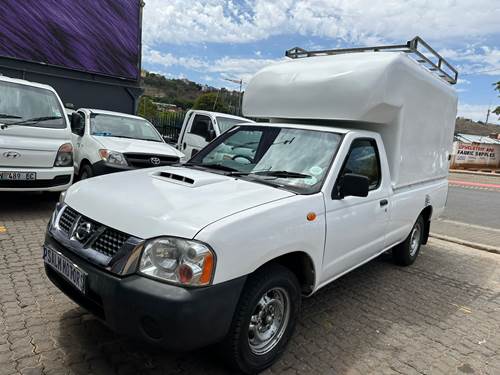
point(77, 123)
point(352, 184)
point(211, 135)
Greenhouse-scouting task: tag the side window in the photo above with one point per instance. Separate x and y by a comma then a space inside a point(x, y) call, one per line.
point(201, 125)
point(363, 159)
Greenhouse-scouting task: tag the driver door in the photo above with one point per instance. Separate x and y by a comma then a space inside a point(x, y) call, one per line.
point(356, 226)
point(197, 135)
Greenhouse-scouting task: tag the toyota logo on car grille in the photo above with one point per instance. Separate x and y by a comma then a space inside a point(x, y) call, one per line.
point(83, 231)
point(155, 161)
point(11, 155)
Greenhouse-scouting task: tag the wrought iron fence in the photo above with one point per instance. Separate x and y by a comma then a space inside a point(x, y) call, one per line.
point(169, 124)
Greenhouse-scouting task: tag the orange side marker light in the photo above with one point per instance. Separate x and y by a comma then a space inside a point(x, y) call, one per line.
point(311, 216)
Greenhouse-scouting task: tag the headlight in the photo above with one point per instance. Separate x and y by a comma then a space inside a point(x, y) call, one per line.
point(64, 157)
point(178, 261)
point(112, 157)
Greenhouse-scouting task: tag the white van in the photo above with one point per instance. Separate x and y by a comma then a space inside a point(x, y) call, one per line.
point(354, 163)
point(108, 142)
point(36, 153)
point(201, 127)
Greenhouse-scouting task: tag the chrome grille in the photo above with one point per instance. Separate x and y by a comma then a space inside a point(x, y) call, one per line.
point(67, 219)
point(110, 242)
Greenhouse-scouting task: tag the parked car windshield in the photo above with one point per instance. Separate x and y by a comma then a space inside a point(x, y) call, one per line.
point(226, 123)
point(296, 159)
point(30, 106)
point(122, 127)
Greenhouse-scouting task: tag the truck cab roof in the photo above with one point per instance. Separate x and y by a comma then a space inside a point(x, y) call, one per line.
point(110, 113)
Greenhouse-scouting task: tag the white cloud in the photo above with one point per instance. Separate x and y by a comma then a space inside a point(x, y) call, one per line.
point(475, 59)
point(362, 21)
point(477, 112)
point(237, 68)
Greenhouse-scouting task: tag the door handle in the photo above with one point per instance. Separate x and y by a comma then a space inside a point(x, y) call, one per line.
point(184, 146)
point(384, 202)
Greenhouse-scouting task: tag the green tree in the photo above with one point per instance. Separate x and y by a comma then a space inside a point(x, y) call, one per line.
point(210, 102)
point(497, 87)
point(146, 108)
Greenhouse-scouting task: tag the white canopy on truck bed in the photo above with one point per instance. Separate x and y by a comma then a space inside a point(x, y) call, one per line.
point(387, 92)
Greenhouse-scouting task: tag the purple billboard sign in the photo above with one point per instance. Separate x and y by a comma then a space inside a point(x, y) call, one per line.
point(97, 36)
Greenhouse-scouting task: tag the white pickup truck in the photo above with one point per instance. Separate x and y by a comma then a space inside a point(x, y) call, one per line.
point(201, 127)
point(107, 142)
point(222, 249)
point(36, 153)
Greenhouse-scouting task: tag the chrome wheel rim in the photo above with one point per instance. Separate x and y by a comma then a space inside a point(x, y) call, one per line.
point(415, 239)
point(269, 321)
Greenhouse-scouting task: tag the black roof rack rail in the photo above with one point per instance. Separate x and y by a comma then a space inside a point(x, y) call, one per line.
point(428, 57)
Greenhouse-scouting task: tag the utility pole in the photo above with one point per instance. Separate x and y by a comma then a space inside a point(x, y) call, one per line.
point(239, 82)
point(487, 116)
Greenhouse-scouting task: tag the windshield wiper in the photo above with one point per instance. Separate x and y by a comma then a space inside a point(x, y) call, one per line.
point(33, 120)
point(216, 166)
point(277, 174)
point(5, 115)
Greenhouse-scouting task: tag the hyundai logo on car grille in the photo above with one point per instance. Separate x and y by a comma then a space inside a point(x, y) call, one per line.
point(11, 155)
point(155, 161)
point(83, 231)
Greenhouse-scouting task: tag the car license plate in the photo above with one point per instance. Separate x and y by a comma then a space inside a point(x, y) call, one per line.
point(70, 271)
point(18, 176)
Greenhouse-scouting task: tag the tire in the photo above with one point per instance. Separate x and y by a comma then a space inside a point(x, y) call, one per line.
point(406, 252)
point(269, 291)
point(86, 172)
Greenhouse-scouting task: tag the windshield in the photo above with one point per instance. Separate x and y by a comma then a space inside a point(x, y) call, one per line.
point(30, 106)
point(122, 127)
point(296, 159)
point(226, 123)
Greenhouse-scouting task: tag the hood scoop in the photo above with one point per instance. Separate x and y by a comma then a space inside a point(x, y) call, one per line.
point(188, 177)
point(177, 177)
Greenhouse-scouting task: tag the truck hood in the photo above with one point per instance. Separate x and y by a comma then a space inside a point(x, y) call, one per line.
point(174, 201)
point(137, 146)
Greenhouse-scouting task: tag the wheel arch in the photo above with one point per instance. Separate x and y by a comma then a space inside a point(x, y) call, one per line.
point(302, 265)
point(426, 214)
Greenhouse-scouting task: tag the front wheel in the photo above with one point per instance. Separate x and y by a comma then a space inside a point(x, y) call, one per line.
point(406, 252)
point(86, 172)
point(264, 320)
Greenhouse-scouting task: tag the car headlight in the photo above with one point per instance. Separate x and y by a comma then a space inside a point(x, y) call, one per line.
point(112, 157)
point(64, 157)
point(178, 261)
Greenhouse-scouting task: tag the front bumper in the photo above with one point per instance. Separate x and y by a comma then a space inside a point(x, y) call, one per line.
point(47, 179)
point(162, 314)
point(101, 167)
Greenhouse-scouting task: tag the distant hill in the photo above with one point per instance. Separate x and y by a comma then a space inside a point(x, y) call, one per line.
point(181, 92)
point(467, 126)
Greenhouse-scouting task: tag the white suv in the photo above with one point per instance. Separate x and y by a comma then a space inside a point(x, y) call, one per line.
point(108, 142)
point(36, 153)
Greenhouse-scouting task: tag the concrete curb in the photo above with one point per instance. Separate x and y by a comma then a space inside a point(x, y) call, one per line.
point(477, 246)
point(463, 171)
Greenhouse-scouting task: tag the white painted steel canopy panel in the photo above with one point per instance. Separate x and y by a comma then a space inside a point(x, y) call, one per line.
point(387, 92)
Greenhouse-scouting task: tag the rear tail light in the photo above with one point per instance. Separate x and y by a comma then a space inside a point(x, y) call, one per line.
point(64, 156)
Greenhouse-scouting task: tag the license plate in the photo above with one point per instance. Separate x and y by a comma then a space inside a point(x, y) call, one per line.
point(18, 176)
point(70, 271)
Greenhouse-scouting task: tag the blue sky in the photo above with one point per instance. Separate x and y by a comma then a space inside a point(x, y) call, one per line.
point(207, 41)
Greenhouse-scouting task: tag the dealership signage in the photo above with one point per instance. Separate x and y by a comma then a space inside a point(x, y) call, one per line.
point(476, 155)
